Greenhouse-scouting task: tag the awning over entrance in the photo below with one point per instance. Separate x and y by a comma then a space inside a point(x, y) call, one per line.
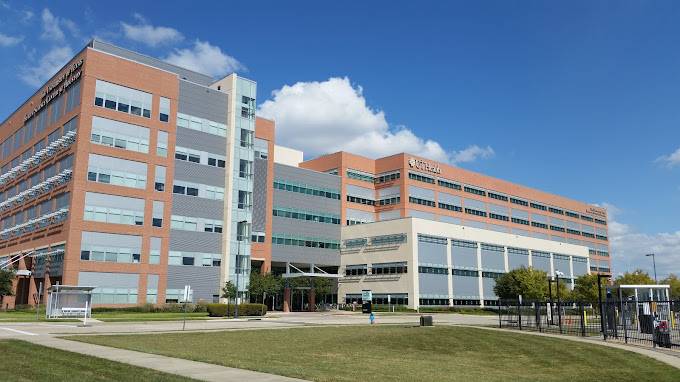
point(314, 271)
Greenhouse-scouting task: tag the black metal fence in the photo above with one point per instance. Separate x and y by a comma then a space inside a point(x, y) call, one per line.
point(653, 323)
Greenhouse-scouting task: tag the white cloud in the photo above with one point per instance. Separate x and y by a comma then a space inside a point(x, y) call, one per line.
point(50, 26)
point(150, 35)
point(472, 153)
point(332, 115)
point(671, 160)
point(628, 247)
point(6, 41)
point(47, 66)
point(205, 58)
point(27, 16)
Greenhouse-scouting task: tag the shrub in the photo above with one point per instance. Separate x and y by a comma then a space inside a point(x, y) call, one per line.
point(220, 310)
point(151, 308)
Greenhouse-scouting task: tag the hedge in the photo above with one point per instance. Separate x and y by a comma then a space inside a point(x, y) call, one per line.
point(220, 310)
point(151, 308)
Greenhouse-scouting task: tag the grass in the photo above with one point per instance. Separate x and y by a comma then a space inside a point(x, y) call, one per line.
point(24, 361)
point(398, 353)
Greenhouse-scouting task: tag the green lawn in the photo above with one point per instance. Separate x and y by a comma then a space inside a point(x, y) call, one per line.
point(398, 353)
point(24, 361)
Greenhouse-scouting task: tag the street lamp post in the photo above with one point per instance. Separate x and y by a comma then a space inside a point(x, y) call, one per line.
point(559, 303)
point(654, 263)
point(237, 265)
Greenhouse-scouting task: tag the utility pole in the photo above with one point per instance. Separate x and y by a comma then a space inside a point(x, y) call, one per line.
point(654, 263)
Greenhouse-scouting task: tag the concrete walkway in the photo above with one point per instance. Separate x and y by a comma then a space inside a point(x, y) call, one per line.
point(667, 357)
point(191, 369)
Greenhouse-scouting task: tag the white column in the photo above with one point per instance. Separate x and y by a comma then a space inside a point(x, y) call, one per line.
point(552, 266)
point(449, 276)
point(571, 271)
point(505, 259)
point(531, 255)
point(480, 281)
point(414, 266)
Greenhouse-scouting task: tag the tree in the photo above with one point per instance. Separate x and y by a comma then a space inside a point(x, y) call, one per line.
point(637, 277)
point(531, 283)
point(6, 281)
point(586, 289)
point(674, 282)
point(264, 284)
point(322, 287)
point(229, 291)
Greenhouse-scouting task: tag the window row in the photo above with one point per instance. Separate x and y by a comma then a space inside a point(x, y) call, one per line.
point(198, 190)
point(122, 99)
point(201, 124)
point(389, 201)
point(304, 189)
point(305, 242)
point(119, 178)
point(364, 177)
point(423, 202)
point(420, 178)
point(360, 200)
point(308, 216)
point(199, 157)
point(38, 177)
point(199, 259)
point(109, 254)
point(187, 223)
point(113, 215)
point(35, 126)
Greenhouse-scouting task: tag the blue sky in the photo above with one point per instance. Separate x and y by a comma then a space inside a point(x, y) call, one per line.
point(576, 98)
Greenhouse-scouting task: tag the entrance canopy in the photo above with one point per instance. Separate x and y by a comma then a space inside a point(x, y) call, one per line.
point(68, 301)
point(314, 271)
point(652, 292)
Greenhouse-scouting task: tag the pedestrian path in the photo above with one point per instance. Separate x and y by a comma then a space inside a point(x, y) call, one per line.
point(186, 368)
point(660, 355)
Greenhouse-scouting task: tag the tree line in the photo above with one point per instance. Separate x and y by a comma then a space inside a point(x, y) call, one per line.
point(533, 285)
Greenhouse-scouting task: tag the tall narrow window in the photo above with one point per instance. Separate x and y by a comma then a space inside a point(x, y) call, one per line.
point(162, 144)
point(164, 112)
point(157, 214)
point(159, 184)
point(155, 251)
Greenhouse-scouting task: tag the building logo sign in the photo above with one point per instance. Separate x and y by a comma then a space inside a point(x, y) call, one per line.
point(58, 86)
point(424, 166)
point(594, 211)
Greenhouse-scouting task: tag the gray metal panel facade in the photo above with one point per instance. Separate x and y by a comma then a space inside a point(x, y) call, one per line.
point(493, 261)
point(517, 261)
point(488, 284)
point(260, 207)
point(183, 73)
point(463, 257)
point(109, 280)
point(465, 287)
point(287, 199)
point(433, 284)
point(310, 177)
point(305, 255)
point(431, 253)
point(198, 173)
point(199, 140)
point(542, 263)
point(305, 228)
point(205, 281)
point(195, 241)
point(202, 102)
point(197, 207)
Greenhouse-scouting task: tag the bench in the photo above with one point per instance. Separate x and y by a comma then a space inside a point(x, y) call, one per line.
point(73, 312)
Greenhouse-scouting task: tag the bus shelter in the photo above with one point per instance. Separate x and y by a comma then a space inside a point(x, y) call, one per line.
point(69, 301)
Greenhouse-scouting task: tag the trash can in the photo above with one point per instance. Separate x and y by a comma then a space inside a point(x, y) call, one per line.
point(425, 320)
point(366, 307)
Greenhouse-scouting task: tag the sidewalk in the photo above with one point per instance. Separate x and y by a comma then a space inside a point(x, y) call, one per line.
point(660, 355)
point(191, 369)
